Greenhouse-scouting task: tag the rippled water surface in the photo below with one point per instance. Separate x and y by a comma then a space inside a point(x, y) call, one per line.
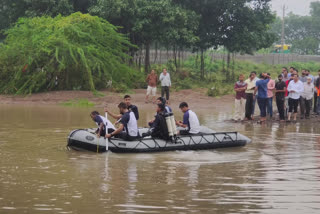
point(279, 172)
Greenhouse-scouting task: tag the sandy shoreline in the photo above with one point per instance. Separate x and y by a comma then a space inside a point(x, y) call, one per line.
point(194, 97)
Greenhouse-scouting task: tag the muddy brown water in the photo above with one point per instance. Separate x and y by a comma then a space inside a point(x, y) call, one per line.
point(279, 172)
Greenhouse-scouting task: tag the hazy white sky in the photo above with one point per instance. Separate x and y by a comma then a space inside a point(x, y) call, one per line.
point(300, 7)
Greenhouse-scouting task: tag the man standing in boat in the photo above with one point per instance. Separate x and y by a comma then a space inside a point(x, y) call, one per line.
point(127, 101)
point(128, 128)
point(190, 120)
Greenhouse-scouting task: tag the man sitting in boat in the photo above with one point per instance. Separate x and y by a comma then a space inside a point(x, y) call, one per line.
point(164, 102)
point(190, 121)
point(127, 101)
point(128, 128)
point(158, 127)
point(104, 125)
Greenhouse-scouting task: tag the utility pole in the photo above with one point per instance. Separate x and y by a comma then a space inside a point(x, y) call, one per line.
point(282, 33)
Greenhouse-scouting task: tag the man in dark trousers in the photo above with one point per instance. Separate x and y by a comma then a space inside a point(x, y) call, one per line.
point(280, 91)
point(165, 84)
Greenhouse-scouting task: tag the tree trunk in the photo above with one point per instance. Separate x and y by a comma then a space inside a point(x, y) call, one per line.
point(175, 56)
point(233, 74)
point(196, 59)
point(228, 67)
point(147, 58)
point(140, 56)
point(156, 54)
point(223, 63)
point(179, 59)
point(202, 64)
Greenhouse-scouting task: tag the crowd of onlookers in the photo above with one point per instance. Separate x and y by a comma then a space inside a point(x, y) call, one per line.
point(291, 91)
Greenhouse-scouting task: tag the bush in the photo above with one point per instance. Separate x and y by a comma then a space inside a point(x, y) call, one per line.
point(74, 52)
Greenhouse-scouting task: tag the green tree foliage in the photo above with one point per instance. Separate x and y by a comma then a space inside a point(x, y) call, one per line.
point(12, 10)
point(78, 51)
point(238, 25)
point(303, 32)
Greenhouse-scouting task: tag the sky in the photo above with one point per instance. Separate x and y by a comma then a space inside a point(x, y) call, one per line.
point(299, 7)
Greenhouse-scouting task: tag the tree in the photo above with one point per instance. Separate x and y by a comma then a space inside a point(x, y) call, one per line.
point(12, 10)
point(222, 21)
point(149, 21)
point(80, 51)
point(303, 32)
point(248, 29)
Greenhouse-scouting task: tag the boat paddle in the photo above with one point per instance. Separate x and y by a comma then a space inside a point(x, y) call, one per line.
point(107, 140)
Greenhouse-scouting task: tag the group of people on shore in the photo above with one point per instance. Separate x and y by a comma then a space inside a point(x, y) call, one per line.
point(127, 125)
point(290, 92)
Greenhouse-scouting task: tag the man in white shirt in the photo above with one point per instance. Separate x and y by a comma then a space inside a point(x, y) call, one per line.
point(251, 85)
point(295, 88)
point(104, 125)
point(190, 121)
point(165, 83)
point(307, 96)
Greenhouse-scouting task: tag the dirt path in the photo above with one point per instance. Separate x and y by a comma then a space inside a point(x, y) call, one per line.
point(196, 98)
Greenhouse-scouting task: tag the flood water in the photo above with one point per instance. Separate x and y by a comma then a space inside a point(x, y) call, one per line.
point(279, 172)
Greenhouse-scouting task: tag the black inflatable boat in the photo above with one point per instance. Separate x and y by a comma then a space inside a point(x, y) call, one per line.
point(86, 139)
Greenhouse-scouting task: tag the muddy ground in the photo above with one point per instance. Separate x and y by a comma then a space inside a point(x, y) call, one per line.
point(196, 98)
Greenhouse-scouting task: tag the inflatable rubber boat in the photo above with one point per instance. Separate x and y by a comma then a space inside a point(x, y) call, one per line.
point(86, 139)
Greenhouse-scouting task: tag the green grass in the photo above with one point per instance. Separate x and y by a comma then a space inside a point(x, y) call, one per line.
point(98, 94)
point(78, 103)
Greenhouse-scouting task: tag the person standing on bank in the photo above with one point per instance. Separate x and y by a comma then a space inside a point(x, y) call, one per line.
point(239, 102)
point(280, 91)
point(262, 97)
point(295, 88)
point(315, 96)
point(165, 84)
point(254, 73)
point(271, 87)
point(307, 96)
point(152, 80)
point(317, 91)
point(251, 85)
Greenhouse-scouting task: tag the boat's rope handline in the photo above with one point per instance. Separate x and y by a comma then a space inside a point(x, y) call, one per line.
point(203, 138)
point(187, 140)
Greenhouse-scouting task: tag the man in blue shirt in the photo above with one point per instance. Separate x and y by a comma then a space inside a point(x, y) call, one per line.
point(262, 97)
point(128, 128)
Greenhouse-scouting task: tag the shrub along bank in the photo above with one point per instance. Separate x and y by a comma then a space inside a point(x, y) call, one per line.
point(77, 52)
